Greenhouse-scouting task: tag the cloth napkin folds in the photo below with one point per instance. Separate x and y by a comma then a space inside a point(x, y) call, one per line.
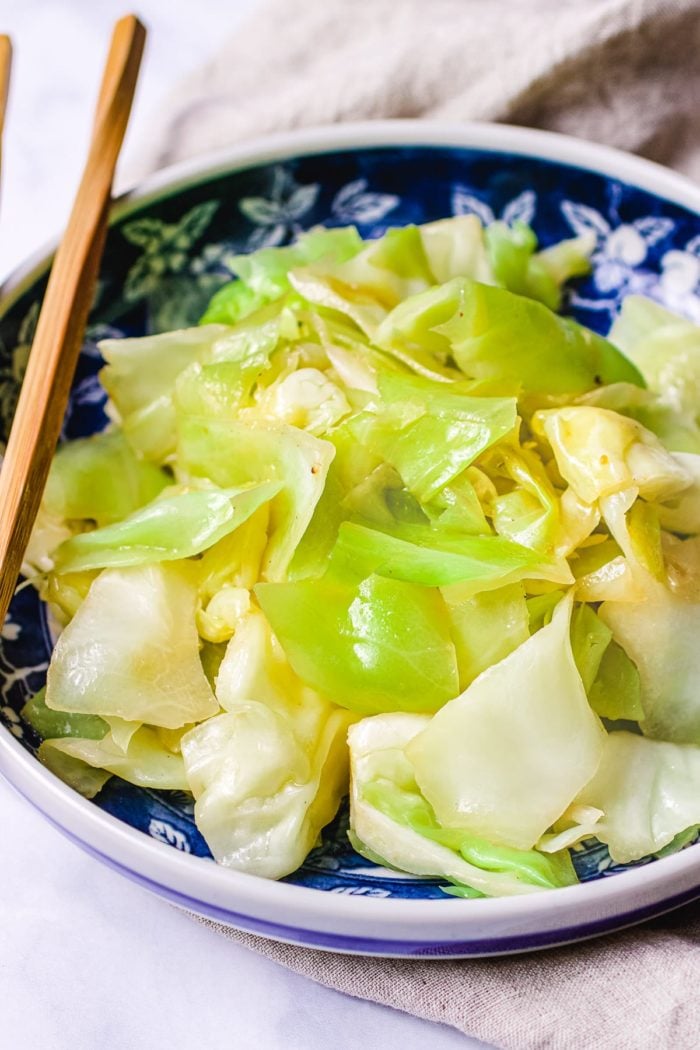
point(621, 72)
point(638, 990)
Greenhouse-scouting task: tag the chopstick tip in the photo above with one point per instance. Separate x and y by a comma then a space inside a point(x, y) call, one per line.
point(5, 66)
point(131, 22)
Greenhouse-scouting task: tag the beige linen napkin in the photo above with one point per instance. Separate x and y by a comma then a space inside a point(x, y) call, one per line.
point(622, 72)
point(638, 990)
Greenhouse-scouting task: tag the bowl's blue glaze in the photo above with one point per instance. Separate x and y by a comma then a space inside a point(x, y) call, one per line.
point(165, 259)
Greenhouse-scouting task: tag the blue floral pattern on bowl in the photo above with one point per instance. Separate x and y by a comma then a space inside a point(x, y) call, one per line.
point(166, 258)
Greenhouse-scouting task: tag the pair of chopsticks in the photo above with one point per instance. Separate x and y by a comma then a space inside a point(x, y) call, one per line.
point(64, 312)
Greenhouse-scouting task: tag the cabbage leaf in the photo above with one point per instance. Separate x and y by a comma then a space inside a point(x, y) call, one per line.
point(666, 350)
point(656, 630)
point(230, 453)
point(485, 627)
point(649, 792)
point(391, 819)
point(270, 772)
point(519, 267)
point(367, 285)
point(263, 276)
point(100, 479)
point(140, 377)
point(599, 452)
point(132, 651)
point(144, 762)
point(170, 528)
point(431, 557)
point(48, 723)
point(430, 433)
point(518, 342)
point(530, 707)
point(375, 645)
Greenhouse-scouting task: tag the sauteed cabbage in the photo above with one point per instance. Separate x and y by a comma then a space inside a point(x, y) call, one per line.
point(385, 524)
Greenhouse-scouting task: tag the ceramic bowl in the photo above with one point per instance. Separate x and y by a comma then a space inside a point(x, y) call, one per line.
point(168, 251)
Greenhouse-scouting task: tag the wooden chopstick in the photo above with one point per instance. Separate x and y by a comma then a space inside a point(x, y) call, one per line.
point(5, 66)
point(64, 313)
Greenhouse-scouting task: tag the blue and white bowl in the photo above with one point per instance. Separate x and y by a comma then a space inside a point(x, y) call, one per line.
point(168, 251)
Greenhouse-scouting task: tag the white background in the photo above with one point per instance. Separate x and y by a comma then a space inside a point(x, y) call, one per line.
point(89, 961)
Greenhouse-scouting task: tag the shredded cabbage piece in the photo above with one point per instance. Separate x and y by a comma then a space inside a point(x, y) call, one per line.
point(391, 819)
point(506, 758)
point(648, 792)
point(169, 529)
point(142, 760)
point(131, 651)
point(262, 795)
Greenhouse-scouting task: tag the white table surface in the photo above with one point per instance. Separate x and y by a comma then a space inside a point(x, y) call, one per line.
point(89, 961)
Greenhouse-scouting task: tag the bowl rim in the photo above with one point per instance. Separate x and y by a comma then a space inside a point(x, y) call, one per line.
point(306, 908)
point(603, 160)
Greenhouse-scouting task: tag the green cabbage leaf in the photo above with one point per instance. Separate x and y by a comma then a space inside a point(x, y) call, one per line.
point(171, 528)
point(391, 819)
point(100, 479)
point(531, 707)
point(269, 773)
point(657, 630)
point(430, 433)
point(649, 792)
point(519, 267)
point(145, 761)
point(131, 651)
point(599, 452)
point(375, 645)
point(263, 276)
point(229, 453)
point(518, 343)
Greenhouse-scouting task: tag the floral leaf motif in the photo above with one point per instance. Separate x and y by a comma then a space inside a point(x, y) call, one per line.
point(165, 247)
point(277, 215)
point(214, 254)
point(142, 279)
point(216, 258)
point(282, 182)
point(611, 276)
point(583, 219)
point(193, 224)
point(693, 246)
point(521, 208)
point(27, 328)
point(13, 364)
point(88, 392)
point(353, 204)
point(653, 229)
point(266, 237)
point(680, 273)
point(302, 200)
point(146, 233)
point(349, 191)
point(165, 832)
point(10, 631)
point(261, 211)
point(464, 203)
point(180, 299)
